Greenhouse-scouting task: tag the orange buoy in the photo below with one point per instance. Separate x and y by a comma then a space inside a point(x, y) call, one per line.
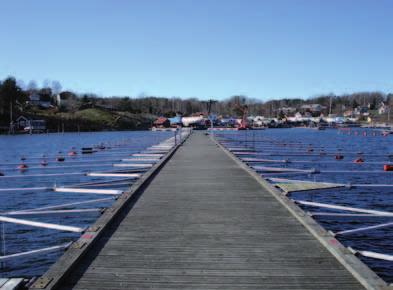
point(339, 157)
point(358, 160)
point(388, 167)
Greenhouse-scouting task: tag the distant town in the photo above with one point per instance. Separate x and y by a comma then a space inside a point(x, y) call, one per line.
point(30, 109)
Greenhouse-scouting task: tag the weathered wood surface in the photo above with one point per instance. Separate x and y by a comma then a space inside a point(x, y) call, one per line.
point(305, 186)
point(205, 223)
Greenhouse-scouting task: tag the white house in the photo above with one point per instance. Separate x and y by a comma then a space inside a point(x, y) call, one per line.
point(187, 121)
point(35, 100)
point(382, 108)
point(21, 122)
point(25, 123)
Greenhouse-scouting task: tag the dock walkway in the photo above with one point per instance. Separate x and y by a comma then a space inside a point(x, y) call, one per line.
point(205, 223)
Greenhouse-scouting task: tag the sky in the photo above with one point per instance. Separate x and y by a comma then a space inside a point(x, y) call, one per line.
point(200, 48)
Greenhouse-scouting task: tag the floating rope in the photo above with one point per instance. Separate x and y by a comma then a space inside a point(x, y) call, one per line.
point(143, 165)
point(66, 211)
point(41, 225)
point(324, 183)
point(42, 175)
point(103, 174)
point(364, 229)
point(87, 190)
point(348, 214)
point(373, 255)
point(25, 189)
point(28, 253)
point(64, 205)
point(340, 207)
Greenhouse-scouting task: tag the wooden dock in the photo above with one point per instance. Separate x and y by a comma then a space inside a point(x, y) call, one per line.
point(206, 222)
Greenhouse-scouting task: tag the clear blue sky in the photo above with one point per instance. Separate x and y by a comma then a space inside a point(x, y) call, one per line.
point(217, 48)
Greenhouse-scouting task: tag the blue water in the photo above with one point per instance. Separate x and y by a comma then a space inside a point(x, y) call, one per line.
point(20, 238)
point(306, 145)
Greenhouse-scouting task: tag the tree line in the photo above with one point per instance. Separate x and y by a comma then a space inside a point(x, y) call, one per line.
point(14, 99)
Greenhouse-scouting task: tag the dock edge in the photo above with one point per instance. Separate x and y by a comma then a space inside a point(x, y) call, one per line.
point(56, 274)
point(368, 278)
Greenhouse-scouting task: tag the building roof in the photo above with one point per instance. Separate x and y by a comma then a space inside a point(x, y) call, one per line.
point(161, 121)
point(175, 120)
point(34, 97)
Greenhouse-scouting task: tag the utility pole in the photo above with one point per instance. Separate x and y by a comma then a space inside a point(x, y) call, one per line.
point(11, 130)
point(209, 107)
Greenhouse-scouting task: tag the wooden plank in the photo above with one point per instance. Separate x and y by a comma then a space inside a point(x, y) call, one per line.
point(205, 223)
point(62, 268)
point(305, 186)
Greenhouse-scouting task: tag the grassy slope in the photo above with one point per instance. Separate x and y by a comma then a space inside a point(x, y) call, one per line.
point(94, 119)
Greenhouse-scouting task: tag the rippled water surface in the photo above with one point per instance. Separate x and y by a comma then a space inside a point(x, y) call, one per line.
point(17, 238)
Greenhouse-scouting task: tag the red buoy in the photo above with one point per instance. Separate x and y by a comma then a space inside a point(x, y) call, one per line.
point(339, 157)
point(358, 160)
point(22, 166)
point(388, 167)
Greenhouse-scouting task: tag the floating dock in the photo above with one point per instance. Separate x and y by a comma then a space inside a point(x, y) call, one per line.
point(202, 219)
